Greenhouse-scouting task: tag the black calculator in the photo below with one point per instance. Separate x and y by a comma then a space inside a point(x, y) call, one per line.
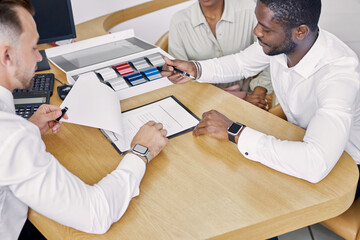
point(28, 101)
point(42, 83)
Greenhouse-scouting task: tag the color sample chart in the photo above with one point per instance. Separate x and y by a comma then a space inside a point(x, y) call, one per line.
point(124, 69)
point(152, 74)
point(140, 64)
point(133, 72)
point(156, 59)
point(135, 79)
point(109, 75)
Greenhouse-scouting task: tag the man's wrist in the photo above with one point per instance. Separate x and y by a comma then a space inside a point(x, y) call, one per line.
point(142, 158)
point(142, 152)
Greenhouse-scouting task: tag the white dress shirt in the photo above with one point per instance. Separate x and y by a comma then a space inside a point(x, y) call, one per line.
point(190, 36)
point(30, 176)
point(319, 94)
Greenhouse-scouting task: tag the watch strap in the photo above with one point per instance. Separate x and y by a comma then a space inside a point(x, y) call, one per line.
point(147, 156)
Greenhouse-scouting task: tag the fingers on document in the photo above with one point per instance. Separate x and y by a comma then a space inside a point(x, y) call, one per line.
point(151, 123)
point(158, 126)
point(163, 132)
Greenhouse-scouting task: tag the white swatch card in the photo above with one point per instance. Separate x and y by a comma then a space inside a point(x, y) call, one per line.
point(94, 104)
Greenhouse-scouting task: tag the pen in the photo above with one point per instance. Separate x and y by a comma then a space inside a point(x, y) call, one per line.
point(63, 111)
point(183, 72)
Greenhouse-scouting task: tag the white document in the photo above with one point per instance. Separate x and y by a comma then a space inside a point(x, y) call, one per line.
point(175, 117)
point(94, 104)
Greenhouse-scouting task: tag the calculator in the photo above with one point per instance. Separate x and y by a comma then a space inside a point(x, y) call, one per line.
point(28, 101)
point(42, 83)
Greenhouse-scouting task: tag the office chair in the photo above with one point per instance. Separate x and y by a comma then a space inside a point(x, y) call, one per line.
point(163, 42)
point(277, 111)
point(346, 225)
point(102, 25)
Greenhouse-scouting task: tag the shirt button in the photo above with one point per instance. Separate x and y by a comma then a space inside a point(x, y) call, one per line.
point(246, 153)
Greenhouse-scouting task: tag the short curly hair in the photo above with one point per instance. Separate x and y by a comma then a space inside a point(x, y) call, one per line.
point(293, 13)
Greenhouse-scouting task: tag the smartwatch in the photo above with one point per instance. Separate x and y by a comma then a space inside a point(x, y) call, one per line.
point(234, 130)
point(142, 151)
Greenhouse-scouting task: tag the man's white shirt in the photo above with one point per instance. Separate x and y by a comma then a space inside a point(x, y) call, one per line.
point(30, 176)
point(319, 94)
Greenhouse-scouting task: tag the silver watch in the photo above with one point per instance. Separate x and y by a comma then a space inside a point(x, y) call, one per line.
point(142, 151)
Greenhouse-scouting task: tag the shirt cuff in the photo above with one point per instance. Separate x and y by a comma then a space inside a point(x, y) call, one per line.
point(134, 164)
point(206, 72)
point(248, 142)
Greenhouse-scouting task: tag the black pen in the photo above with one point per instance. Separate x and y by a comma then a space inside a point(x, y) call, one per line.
point(183, 72)
point(63, 111)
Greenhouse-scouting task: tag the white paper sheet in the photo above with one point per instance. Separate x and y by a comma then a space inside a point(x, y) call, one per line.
point(167, 111)
point(94, 104)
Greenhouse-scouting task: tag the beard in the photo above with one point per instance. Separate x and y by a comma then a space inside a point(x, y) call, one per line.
point(287, 47)
point(25, 76)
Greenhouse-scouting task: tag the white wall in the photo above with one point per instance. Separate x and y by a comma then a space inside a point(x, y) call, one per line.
point(85, 10)
point(340, 17)
point(151, 27)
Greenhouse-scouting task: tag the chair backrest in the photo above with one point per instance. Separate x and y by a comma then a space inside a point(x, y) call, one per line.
point(163, 42)
point(102, 25)
point(277, 111)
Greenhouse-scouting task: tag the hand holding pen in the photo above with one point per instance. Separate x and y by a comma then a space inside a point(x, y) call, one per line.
point(45, 118)
point(179, 71)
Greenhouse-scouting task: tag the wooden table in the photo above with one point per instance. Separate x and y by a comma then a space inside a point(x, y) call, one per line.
point(199, 187)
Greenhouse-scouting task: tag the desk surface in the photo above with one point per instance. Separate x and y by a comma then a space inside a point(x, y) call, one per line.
point(199, 187)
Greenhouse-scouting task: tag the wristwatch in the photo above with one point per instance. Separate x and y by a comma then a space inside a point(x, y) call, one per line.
point(234, 130)
point(142, 151)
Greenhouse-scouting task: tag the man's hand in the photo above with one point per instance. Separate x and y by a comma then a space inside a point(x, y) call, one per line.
point(45, 117)
point(258, 98)
point(213, 124)
point(153, 136)
point(176, 77)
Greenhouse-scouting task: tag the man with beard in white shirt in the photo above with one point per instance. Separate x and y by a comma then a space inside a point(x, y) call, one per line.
point(315, 77)
point(30, 176)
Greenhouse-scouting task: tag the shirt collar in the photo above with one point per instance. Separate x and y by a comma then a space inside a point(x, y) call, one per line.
point(197, 16)
point(310, 62)
point(6, 100)
point(229, 12)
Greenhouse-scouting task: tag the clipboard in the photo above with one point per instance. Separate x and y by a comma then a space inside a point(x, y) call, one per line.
point(175, 116)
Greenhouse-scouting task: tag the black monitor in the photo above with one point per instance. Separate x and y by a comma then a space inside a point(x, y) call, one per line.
point(55, 22)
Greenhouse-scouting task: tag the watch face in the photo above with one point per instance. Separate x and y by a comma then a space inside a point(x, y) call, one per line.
point(234, 128)
point(140, 149)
